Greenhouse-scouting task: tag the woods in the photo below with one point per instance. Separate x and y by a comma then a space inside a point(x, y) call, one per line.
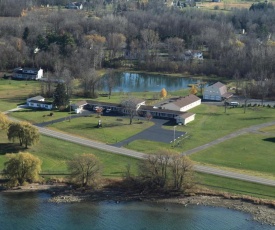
point(135, 35)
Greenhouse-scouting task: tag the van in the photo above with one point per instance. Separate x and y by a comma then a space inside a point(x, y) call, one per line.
point(234, 103)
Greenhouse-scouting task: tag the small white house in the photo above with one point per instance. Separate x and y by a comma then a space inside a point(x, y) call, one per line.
point(39, 102)
point(216, 92)
point(182, 104)
point(185, 118)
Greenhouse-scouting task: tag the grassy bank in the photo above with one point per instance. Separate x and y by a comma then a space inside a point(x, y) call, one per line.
point(54, 153)
point(223, 184)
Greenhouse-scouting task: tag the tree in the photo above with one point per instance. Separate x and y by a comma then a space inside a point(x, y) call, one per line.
point(115, 42)
point(154, 170)
point(84, 169)
point(4, 121)
point(89, 80)
point(163, 93)
point(193, 90)
point(110, 81)
point(130, 106)
point(182, 172)
point(21, 168)
point(26, 133)
point(60, 97)
point(167, 170)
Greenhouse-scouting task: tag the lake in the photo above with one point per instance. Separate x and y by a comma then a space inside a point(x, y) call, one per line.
point(138, 82)
point(32, 211)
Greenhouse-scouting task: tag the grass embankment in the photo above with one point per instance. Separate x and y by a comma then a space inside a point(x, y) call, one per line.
point(54, 153)
point(223, 184)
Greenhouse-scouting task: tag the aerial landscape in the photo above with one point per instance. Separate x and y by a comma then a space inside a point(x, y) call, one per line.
point(137, 114)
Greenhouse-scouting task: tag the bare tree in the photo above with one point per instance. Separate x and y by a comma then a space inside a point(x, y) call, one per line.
point(182, 172)
point(89, 80)
point(85, 169)
point(131, 105)
point(110, 81)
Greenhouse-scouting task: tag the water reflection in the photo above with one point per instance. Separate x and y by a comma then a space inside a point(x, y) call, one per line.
point(32, 211)
point(136, 82)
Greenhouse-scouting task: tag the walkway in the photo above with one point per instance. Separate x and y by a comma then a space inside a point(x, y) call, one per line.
point(253, 128)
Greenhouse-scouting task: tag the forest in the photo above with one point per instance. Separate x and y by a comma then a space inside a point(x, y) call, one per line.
point(143, 35)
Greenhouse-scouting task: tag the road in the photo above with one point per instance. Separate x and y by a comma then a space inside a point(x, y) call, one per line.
point(139, 155)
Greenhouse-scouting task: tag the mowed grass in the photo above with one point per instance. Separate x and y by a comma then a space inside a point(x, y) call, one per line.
point(251, 152)
point(211, 122)
point(148, 147)
point(14, 92)
point(114, 129)
point(55, 153)
point(223, 184)
point(38, 116)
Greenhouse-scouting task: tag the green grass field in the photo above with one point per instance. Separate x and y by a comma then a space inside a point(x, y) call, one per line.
point(251, 152)
point(113, 129)
point(224, 184)
point(38, 116)
point(211, 122)
point(54, 153)
point(13, 92)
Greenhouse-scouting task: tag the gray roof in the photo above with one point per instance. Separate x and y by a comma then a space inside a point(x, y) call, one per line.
point(36, 98)
point(221, 87)
point(187, 100)
point(80, 103)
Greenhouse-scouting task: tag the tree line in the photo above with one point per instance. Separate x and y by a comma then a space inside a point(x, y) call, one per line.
point(74, 44)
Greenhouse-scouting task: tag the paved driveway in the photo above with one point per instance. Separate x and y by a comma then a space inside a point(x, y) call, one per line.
point(153, 133)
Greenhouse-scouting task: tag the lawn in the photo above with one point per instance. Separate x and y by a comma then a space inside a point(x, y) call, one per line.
point(54, 153)
point(224, 184)
point(14, 92)
point(212, 123)
point(148, 147)
point(114, 129)
point(253, 153)
point(35, 116)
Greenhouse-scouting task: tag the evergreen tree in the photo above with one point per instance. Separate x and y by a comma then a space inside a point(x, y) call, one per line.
point(60, 97)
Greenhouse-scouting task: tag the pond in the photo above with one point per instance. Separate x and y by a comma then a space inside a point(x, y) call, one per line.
point(139, 82)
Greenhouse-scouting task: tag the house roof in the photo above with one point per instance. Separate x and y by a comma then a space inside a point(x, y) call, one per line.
point(80, 103)
point(153, 109)
point(222, 88)
point(186, 115)
point(187, 100)
point(218, 85)
point(36, 98)
point(41, 102)
point(91, 102)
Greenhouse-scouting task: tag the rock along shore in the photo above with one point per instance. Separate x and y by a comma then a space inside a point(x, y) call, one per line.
point(261, 210)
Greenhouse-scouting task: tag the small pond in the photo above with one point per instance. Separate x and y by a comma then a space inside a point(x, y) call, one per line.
point(139, 82)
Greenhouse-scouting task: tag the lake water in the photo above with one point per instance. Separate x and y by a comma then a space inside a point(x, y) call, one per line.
point(137, 82)
point(32, 211)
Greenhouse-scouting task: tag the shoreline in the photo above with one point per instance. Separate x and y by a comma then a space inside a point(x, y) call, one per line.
point(261, 210)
